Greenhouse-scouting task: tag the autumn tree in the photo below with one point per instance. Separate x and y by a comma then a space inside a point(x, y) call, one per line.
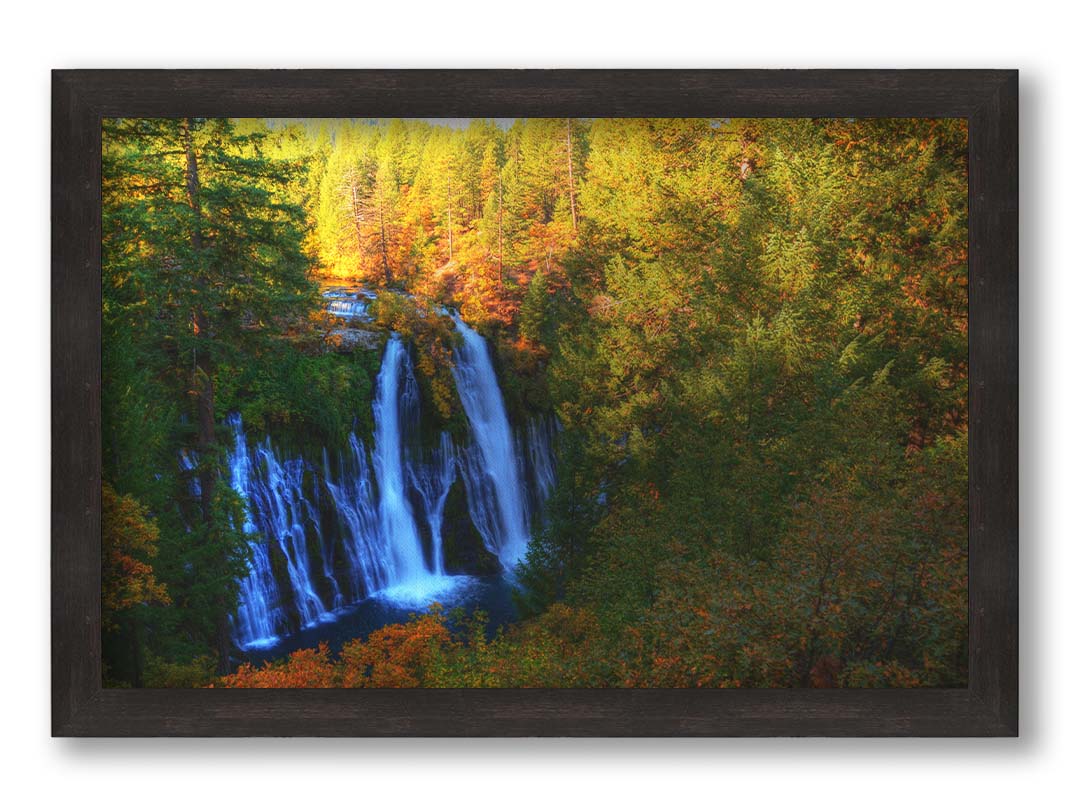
point(127, 581)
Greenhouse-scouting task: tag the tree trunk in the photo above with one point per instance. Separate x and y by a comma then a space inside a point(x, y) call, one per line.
point(137, 646)
point(381, 232)
point(570, 179)
point(356, 215)
point(192, 184)
point(500, 227)
point(746, 161)
point(202, 385)
point(450, 218)
point(222, 641)
point(204, 389)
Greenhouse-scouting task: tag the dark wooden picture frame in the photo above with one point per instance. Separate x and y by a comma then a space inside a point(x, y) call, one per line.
point(987, 707)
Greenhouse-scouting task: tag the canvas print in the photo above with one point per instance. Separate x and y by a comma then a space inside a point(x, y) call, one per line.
point(534, 403)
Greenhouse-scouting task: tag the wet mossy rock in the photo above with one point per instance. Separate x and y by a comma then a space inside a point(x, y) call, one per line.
point(463, 545)
point(280, 570)
point(351, 340)
point(317, 543)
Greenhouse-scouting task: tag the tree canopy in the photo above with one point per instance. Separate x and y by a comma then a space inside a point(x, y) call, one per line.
point(753, 332)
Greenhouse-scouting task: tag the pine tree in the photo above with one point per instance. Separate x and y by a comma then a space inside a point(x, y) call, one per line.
point(203, 253)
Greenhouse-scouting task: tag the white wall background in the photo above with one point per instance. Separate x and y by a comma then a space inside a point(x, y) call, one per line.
point(548, 33)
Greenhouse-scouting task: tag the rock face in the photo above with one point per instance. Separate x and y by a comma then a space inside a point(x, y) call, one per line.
point(347, 312)
point(406, 509)
point(464, 546)
point(348, 340)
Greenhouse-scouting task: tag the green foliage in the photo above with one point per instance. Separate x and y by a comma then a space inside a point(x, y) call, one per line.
point(204, 275)
point(127, 579)
point(312, 395)
point(433, 338)
point(754, 333)
point(766, 343)
point(562, 648)
point(168, 675)
point(558, 552)
point(534, 316)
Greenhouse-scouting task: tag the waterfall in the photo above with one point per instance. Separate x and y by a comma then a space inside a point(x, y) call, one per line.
point(396, 387)
point(258, 614)
point(370, 521)
point(348, 309)
point(188, 463)
point(495, 493)
point(432, 479)
point(279, 500)
point(312, 508)
point(540, 433)
point(353, 496)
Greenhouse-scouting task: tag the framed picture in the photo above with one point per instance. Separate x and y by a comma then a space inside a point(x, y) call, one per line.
point(535, 403)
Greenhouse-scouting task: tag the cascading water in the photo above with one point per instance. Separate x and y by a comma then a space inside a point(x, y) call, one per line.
point(258, 615)
point(540, 433)
point(279, 501)
point(432, 480)
point(353, 496)
point(374, 525)
point(311, 508)
point(495, 494)
point(348, 309)
point(397, 521)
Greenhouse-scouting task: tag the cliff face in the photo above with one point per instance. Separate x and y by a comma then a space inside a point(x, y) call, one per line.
point(404, 506)
point(348, 340)
point(464, 545)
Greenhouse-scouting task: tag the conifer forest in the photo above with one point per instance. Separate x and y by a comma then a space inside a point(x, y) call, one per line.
point(534, 403)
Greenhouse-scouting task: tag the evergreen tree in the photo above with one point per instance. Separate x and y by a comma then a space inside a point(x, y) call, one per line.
point(203, 258)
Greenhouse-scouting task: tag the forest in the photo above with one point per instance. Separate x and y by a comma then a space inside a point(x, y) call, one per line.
point(744, 341)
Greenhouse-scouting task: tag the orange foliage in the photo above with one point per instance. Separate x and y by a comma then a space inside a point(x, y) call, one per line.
point(304, 669)
point(396, 656)
point(560, 648)
point(129, 537)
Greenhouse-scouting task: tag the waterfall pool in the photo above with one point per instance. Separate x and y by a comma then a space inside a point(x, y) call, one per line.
point(370, 521)
point(492, 595)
